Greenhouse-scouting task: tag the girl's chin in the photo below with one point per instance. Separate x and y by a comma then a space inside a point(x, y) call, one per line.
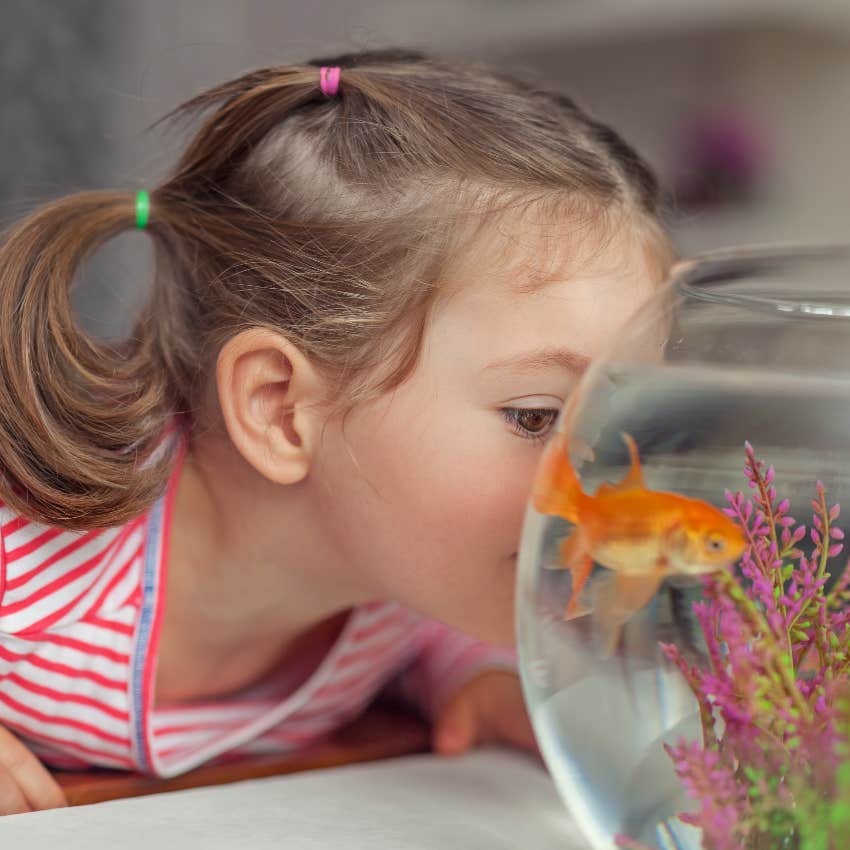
point(498, 635)
point(499, 628)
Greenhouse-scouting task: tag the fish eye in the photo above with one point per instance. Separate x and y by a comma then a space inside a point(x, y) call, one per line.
point(715, 543)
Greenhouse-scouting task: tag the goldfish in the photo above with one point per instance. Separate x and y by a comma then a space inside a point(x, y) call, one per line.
point(641, 535)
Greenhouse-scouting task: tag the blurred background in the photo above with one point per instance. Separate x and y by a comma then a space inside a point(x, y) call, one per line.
point(740, 105)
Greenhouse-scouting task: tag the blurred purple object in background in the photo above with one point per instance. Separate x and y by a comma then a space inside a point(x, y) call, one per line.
point(724, 154)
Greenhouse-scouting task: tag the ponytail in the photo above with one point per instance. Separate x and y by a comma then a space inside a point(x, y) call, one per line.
point(80, 418)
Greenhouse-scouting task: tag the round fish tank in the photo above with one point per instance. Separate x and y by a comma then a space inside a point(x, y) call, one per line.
point(681, 602)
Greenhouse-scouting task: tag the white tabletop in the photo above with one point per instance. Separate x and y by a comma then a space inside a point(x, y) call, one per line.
point(491, 799)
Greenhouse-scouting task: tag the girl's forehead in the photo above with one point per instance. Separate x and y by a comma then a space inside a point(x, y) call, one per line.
point(508, 301)
point(519, 260)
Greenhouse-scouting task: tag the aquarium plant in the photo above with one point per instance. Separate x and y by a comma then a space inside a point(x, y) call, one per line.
point(772, 771)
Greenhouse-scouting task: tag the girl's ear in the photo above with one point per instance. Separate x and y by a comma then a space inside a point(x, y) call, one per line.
point(271, 400)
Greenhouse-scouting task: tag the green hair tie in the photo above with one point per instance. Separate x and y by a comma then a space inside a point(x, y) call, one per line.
point(143, 208)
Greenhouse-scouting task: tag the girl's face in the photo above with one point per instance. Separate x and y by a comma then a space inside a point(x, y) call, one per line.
point(423, 491)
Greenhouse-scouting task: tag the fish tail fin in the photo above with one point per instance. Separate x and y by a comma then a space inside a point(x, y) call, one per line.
point(557, 489)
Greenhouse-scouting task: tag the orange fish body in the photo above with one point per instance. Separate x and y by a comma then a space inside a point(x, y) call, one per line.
point(641, 535)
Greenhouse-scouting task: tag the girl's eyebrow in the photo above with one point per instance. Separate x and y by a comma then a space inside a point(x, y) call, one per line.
point(542, 358)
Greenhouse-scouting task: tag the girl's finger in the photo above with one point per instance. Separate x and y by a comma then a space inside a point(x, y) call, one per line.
point(32, 778)
point(12, 799)
point(455, 730)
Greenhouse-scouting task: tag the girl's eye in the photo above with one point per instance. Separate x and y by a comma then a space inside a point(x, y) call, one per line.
point(531, 423)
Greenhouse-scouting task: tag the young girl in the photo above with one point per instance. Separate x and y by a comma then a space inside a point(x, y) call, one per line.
point(303, 475)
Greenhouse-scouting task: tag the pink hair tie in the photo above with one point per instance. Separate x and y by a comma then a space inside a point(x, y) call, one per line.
point(329, 80)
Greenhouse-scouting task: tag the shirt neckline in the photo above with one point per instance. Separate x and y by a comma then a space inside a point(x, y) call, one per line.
point(146, 648)
point(149, 623)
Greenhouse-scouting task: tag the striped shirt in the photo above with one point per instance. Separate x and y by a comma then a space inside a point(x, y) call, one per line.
point(80, 615)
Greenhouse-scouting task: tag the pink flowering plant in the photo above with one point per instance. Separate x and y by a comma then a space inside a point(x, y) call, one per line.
point(773, 768)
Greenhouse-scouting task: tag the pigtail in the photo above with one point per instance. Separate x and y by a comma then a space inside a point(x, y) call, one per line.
point(244, 110)
point(80, 418)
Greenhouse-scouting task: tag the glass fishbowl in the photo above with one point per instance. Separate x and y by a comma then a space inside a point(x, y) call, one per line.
point(681, 602)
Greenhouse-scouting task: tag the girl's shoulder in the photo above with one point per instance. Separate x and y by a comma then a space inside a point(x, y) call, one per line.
point(51, 576)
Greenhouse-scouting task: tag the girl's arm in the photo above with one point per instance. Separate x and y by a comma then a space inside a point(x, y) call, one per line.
point(447, 659)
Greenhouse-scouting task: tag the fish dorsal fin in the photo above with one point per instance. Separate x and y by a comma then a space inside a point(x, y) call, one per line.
point(633, 479)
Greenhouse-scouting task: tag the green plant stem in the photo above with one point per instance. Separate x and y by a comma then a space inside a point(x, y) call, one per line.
point(759, 625)
point(767, 506)
point(821, 571)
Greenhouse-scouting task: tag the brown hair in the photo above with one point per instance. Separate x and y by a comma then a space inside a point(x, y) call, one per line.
point(328, 219)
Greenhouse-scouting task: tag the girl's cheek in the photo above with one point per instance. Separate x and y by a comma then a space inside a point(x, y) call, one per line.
point(501, 506)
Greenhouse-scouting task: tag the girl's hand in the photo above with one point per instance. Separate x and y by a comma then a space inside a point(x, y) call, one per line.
point(25, 784)
point(489, 708)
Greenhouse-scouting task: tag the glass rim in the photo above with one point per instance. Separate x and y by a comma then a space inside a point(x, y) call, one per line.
point(696, 276)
